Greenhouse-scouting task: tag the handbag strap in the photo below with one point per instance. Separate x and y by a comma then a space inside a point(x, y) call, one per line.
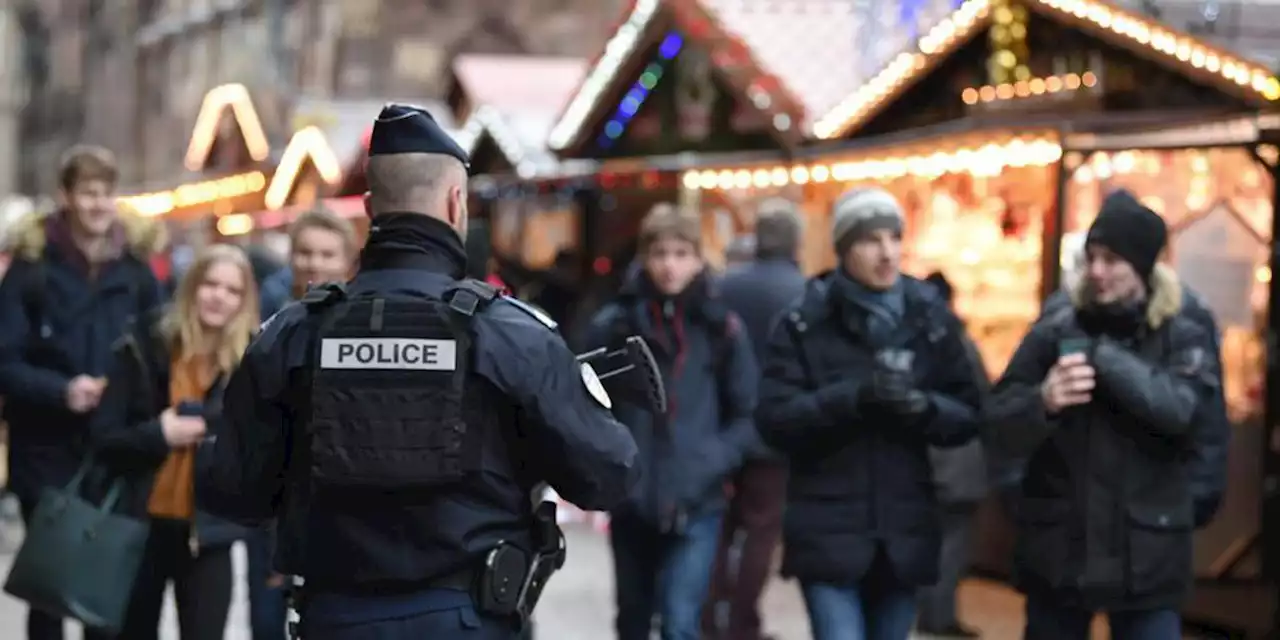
point(113, 493)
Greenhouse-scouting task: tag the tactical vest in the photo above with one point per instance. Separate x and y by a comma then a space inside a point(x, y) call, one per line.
point(387, 380)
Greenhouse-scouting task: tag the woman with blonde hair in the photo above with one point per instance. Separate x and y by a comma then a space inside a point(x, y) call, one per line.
point(163, 399)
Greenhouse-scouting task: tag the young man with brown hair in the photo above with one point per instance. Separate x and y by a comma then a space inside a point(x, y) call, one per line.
point(664, 537)
point(322, 248)
point(79, 277)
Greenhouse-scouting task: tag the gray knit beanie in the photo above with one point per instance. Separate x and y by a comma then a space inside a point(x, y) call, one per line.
point(861, 211)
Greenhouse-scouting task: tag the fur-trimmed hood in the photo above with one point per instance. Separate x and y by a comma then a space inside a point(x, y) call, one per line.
point(144, 237)
point(1163, 304)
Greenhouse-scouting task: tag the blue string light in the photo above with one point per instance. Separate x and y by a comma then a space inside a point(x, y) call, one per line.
point(630, 104)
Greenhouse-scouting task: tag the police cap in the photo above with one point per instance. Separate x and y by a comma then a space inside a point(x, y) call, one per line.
point(402, 128)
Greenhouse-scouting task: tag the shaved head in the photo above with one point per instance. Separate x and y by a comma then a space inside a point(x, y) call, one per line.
point(429, 184)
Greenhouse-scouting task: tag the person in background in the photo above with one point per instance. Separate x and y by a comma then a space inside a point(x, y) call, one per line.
point(741, 251)
point(164, 400)
point(322, 248)
point(664, 536)
point(759, 288)
point(78, 278)
point(960, 483)
point(1105, 399)
point(861, 377)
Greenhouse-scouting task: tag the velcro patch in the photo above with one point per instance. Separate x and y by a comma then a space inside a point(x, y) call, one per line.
point(405, 354)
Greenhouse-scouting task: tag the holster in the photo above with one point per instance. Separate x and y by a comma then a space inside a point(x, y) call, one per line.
point(512, 581)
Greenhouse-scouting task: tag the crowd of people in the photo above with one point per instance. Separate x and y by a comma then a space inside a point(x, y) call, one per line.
point(845, 417)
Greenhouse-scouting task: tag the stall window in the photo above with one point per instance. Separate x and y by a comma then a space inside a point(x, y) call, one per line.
point(1217, 203)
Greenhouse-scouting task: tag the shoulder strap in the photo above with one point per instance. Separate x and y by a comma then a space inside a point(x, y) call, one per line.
point(319, 298)
point(470, 296)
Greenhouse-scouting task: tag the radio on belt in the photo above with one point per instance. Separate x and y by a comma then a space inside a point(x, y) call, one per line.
point(414, 354)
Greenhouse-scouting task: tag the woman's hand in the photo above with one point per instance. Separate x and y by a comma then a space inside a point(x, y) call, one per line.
point(181, 431)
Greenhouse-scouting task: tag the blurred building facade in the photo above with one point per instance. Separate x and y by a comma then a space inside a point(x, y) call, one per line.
point(12, 97)
point(131, 74)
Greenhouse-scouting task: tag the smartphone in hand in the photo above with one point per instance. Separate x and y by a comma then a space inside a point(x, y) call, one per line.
point(1072, 346)
point(190, 409)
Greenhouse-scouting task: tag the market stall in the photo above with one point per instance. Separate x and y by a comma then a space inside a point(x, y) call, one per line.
point(680, 81)
point(1000, 130)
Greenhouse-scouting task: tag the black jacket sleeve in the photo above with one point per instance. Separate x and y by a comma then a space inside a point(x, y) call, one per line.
point(18, 377)
point(1016, 421)
point(792, 416)
point(956, 395)
point(1166, 399)
point(126, 434)
point(583, 453)
point(1207, 466)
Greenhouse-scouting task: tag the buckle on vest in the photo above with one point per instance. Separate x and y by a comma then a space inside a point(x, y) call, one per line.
point(321, 296)
point(468, 296)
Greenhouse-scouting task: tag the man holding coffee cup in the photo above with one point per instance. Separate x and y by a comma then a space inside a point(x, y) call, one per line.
point(1105, 399)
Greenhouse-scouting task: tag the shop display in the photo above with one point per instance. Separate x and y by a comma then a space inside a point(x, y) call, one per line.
point(1218, 205)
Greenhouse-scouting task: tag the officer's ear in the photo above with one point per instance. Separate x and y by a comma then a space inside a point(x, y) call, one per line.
point(457, 207)
point(368, 208)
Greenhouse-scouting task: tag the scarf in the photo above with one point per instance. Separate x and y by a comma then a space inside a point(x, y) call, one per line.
point(882, 311)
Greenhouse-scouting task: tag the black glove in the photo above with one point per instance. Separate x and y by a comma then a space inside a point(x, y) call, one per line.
point(892, 387)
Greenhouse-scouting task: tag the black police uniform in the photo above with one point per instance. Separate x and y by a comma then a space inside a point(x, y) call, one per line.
point(397, 425)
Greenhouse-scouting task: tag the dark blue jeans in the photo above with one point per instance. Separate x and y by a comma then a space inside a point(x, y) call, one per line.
point(1047, 621)
point(843, 612)
point(438, 613)
point(266, 604)
point(662, 575)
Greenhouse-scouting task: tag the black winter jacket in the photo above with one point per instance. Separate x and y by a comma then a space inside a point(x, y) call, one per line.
point(1105, 509)
point(126, 428)
point(861, 481)
point(56, 323)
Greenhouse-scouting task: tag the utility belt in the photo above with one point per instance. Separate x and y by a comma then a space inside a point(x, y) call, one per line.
point(508, 585)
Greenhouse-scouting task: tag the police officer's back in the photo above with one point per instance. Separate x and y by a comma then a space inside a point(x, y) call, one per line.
point(396, 425)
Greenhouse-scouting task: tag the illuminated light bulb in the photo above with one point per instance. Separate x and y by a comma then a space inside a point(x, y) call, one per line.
point(707, 180)
point(1053, 84)
point(1212, 63)
point(970, 96)
point(742, 179)
point(1037, 86)
point(1021, 89)
point(760, 178)
point(1262, 274)
point(235, 224)
point(1272, 89)
point(1197, 57)
point(800, 175)
point(779, 176)
point(1004, 91)
point(1088, 79)
point(820, 173)
point(1071, 82)
point(691, 180)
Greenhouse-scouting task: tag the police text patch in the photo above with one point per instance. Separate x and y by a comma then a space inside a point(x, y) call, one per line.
point(389, 353)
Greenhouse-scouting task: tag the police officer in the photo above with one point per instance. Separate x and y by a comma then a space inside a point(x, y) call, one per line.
point(396, 424)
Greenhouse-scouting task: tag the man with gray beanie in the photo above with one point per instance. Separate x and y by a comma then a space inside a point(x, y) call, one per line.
point(758, 291)
point(1107, 399)
point(864, 374)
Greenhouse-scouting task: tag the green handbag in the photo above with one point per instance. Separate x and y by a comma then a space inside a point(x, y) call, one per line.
point(79, 560)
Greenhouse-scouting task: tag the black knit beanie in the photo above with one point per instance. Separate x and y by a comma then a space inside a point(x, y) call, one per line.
point(1131, 230)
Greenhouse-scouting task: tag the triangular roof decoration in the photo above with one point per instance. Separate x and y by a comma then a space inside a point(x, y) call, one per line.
point(307, 144)
point(1144, 37)
point(724, 29)
point(233, 97)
